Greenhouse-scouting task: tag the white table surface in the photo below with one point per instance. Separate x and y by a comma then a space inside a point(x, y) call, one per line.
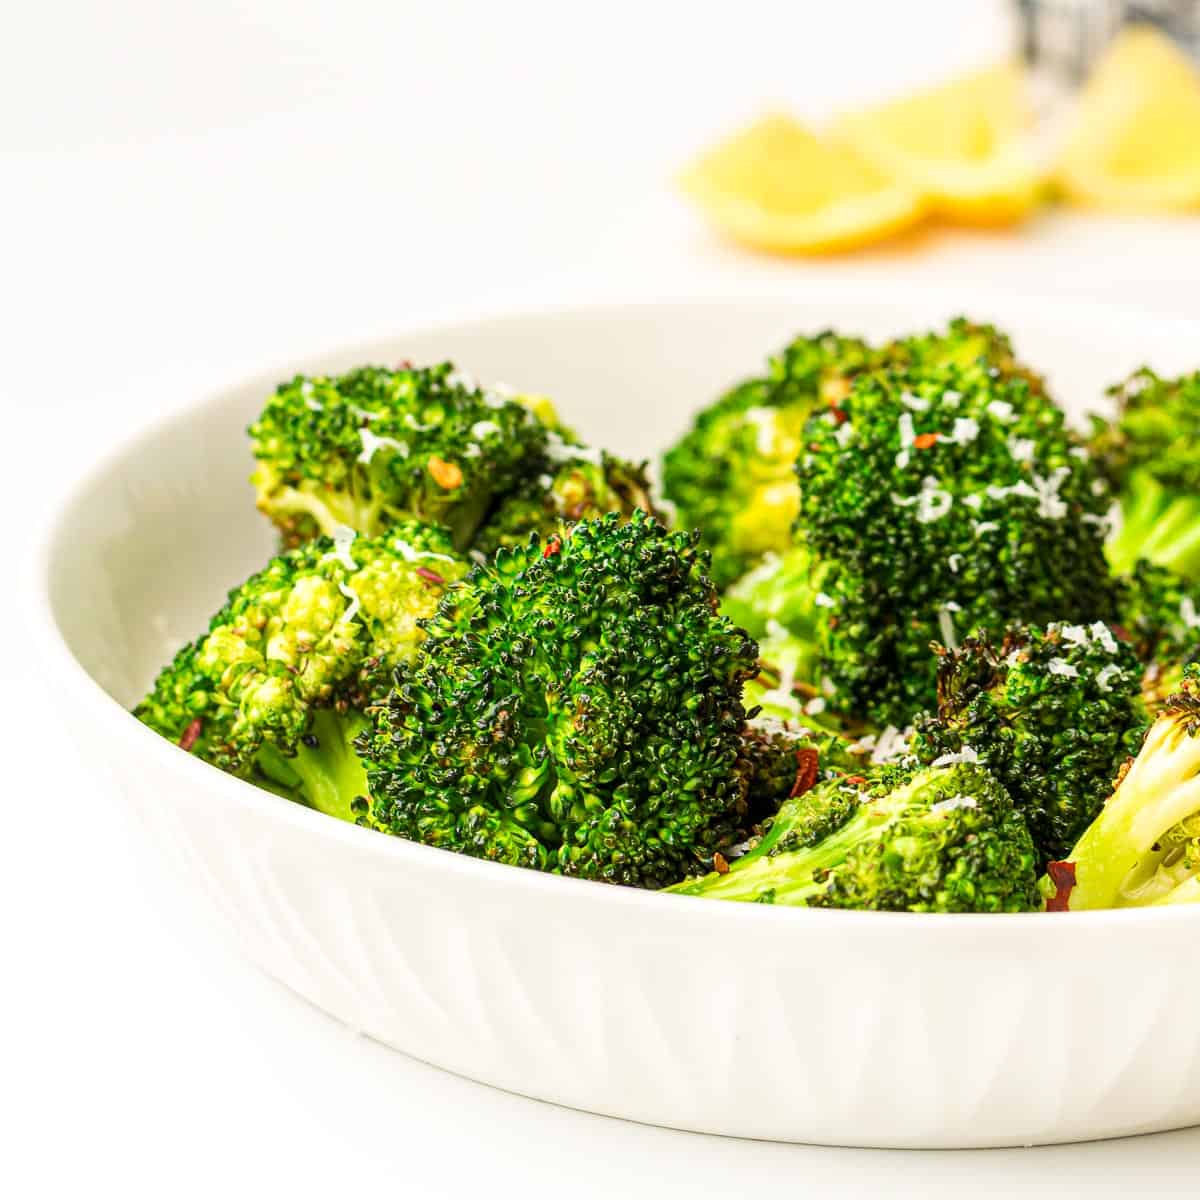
point(193, 190)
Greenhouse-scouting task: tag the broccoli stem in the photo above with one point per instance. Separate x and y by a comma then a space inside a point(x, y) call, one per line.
point(1159, 525)
point(1123, 848)
point(791, 877)
point(327, 775)
point(1187, 892)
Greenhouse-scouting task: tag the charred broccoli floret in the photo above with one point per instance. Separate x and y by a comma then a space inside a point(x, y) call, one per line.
point(784, 759)
point(568, 483)
point(375, 446)
point(1160, 613)
point(950, 501)
point(731, 475)
point(576, 707)
point(276, 690)
point(1151, 453)
point(942, 839)
point(1052, 714)
point(1145, 844)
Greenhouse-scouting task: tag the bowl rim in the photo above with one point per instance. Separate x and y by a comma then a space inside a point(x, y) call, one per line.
point(52, 535)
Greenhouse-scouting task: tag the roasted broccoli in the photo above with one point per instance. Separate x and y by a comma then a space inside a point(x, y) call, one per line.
point(1160, 614)
point(950, 500)
point(276, 690)
point(731, 476)
point(783, 759)
point(1052, 714)
point(568, 482)
point(1151, 453)
point(375, 446)
point(575, 707)
point(940, 839)
point(1145, 843)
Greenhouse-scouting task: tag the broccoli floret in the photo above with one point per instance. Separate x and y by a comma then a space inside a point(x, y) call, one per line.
point(783, 759)
point(1146, 841)
point(942, 839)
point(375, 446)
point(1052, 714)
point(1160, 614)
point(1151, 453)
point(731, 475)
point(576, 707)
point(275, 691)
point(951, 501)
point(569, 483)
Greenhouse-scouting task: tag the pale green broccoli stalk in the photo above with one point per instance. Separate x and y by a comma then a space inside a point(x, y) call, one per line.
point(1146, 841)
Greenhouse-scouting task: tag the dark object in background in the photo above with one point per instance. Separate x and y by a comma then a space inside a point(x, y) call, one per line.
point(1066, 37)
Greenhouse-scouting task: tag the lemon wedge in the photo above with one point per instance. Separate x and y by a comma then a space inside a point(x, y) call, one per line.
point(964, 146)
point(1135, 141)
point(776, 186)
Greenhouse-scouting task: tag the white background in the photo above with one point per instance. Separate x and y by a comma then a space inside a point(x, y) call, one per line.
point(193, 189)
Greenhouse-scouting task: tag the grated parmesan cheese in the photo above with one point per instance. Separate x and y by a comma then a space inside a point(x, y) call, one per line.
point(966, 754)
point(343, 538)
point(1060, 666)
point(352, 609)
point(1021, 449)
point(946, 625)
point(373, 441)
point(966, 430)
point(1001, 410)
point(916, 403)
point(1105, 676)
point(764, 422)
point(953, 802)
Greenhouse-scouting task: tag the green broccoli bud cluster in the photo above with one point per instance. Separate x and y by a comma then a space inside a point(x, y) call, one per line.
point(568, 483)
point(375, 446)
point(938, 839)
point(1160, 614)
point(277, 688)
point(944, 501)
point(1051, 713)
point(576, 706)
point(1150, 452)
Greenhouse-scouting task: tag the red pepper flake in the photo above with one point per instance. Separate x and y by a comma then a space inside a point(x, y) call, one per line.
point(446, 475)
point(719, 864)
point(432, 576)
point(1062, 875)
point(839, 416)
point(807, 761)
point(856, 779)
point(405, 364)
point(191, 735)
point(1121, 632)
point(553, 546)
point(925, 441)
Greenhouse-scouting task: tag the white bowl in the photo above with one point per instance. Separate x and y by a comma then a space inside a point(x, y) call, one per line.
point(849, 1028)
